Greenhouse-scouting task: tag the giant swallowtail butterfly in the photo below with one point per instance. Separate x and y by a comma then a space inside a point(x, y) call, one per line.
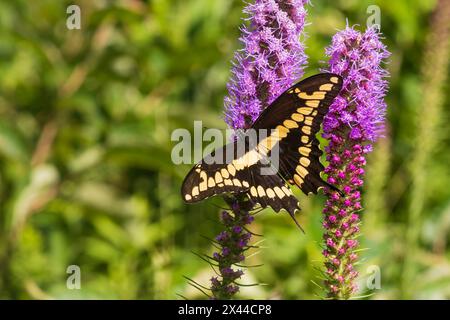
point(293, 119)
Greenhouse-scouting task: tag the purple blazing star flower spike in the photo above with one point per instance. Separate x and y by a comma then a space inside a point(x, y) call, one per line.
point(233, 243)
point(354, 121)
point(271, 60)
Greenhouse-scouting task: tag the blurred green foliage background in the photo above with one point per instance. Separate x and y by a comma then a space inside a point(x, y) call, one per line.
point(85, 171)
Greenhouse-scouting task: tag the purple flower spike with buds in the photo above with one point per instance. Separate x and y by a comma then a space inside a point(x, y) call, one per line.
point(233, 241)
point(354, 121)
point(271, 61)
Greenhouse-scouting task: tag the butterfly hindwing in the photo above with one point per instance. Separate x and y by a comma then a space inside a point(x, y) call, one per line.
point(272, 190)
point(298, 114)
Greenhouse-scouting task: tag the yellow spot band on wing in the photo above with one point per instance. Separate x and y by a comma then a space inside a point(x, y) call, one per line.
point(304, 161)
point(261, 192)
point(305, 151)
point(282, 131)
point(306, 129)
point(298, 180)
point(286, 190)
point(317, 95)
point(279, 192)
point(312, 103)
point(203, 183)
point(301, 171)
point(231, 169)
point(270, 193)
point(297, 117)
point(334, 79)
point(305, 111)
point(326, 87)
point(224, 173)
point(290, 124)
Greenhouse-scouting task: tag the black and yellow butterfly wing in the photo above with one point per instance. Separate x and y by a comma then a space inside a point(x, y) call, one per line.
point(241, 173)
point(273, 191)
point(298, 114)
point(209, 178)
point(293, 120)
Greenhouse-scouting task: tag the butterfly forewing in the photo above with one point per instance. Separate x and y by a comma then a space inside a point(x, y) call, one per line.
point(297, 114)
point(291, 123)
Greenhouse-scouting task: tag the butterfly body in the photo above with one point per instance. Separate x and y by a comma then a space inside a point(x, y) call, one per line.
point(286, 128)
